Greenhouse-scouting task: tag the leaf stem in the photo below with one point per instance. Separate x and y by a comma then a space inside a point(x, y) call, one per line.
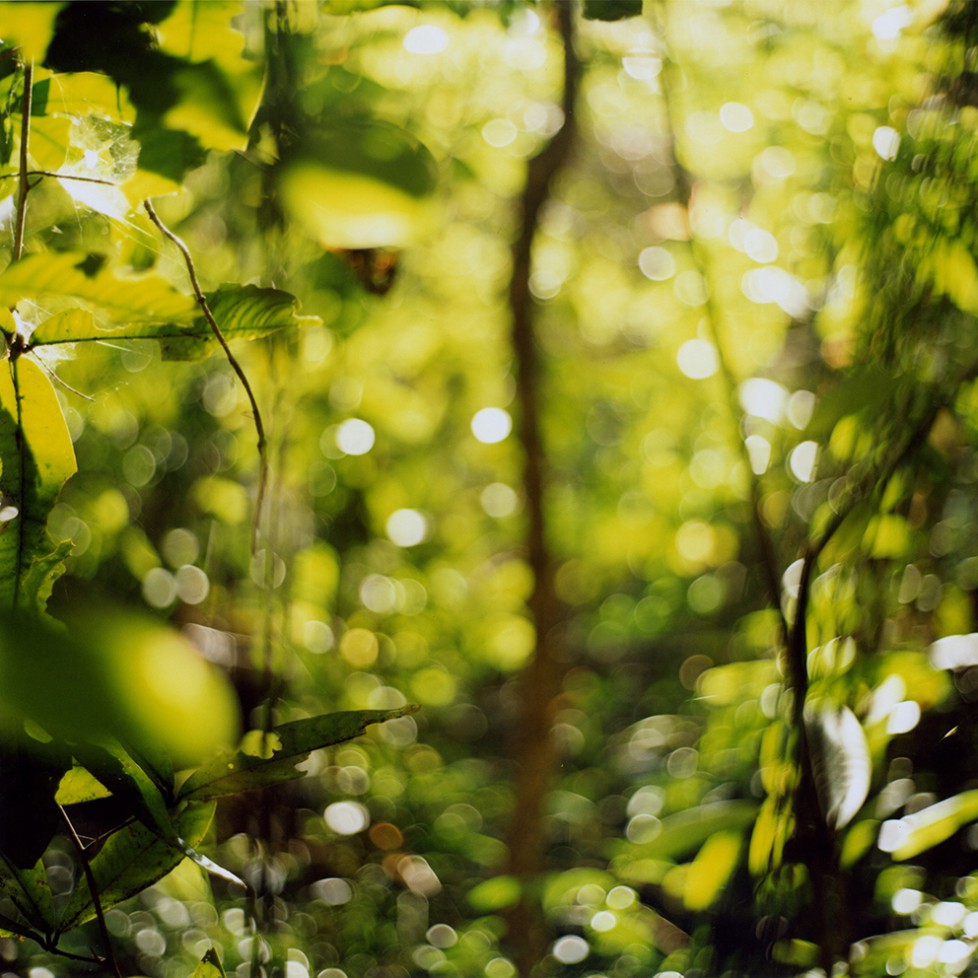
point(93, 889)
point(232, 360)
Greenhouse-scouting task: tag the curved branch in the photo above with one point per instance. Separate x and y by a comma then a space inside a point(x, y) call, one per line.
point(232, 360)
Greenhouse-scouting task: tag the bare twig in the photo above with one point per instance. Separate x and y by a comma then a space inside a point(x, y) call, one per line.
point(24, 188)
point(232, 360)
point(93, 890)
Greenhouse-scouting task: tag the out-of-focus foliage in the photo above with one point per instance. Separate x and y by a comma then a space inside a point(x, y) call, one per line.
point(755, 296)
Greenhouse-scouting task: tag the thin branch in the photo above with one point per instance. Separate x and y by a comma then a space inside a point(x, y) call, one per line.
point(232, 360)
point(770, 562)
point(59, 176)
point(93, 889)
point(24, 188)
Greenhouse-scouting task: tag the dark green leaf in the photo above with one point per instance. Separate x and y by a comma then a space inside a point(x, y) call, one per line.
point(265, 759)
point(132, 859)
point(612, 9)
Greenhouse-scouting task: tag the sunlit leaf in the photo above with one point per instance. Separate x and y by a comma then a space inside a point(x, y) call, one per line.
point(132, 859)
point(37, 458)
point(709, 872)
point(924, 829)
point(842, 764)
point(126, 299)
point(210, 966)
point(359, 187)
point(495, 894)
point(252, 768)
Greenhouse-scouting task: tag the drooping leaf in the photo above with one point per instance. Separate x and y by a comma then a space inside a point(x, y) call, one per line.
point(36, 459)
point(270, 758)
point(132, 859)
point(842, 764)
point(29, 892)
point(127, 781)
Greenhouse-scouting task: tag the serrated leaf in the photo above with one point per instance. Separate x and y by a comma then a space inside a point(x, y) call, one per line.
point(249, 768)
point(132, 859)
point(36, 459)
point(842, 765)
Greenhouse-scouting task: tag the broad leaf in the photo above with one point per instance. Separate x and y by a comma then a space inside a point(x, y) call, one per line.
point(841, 762)
point(29, 892)
point(241, 312)
point(36, 459)
point(119, 298)
point(271, 758)
point(685, 831)
point(916, 833)
point(78, 786)
point(127, 781)
point(132, 859)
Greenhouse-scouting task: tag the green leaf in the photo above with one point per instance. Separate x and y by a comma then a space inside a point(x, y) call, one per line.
point(263, 760)
point(916, 833)
point(612, 9)
point(241, 311)
point(36, 459)
point(685, 831)
point(210, 966)
point(131, 860)
point(120, 298)
point(80, 785)
point(127, 780)
point(495, 894)
point(362, 186)
point(29, 892)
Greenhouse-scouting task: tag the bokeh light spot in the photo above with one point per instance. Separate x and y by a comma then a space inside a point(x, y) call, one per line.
point(425, 39)
point(491, 425)
point(407, 527)
point(697, 359)
point(355, 436)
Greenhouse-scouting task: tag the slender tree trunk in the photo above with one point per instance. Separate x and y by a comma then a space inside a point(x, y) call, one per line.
point(541, 681)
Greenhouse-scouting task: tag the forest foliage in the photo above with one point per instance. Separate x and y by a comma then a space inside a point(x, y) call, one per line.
point(564, 415)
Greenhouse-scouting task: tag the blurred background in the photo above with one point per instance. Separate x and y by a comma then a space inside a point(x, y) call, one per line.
point(749, 302)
